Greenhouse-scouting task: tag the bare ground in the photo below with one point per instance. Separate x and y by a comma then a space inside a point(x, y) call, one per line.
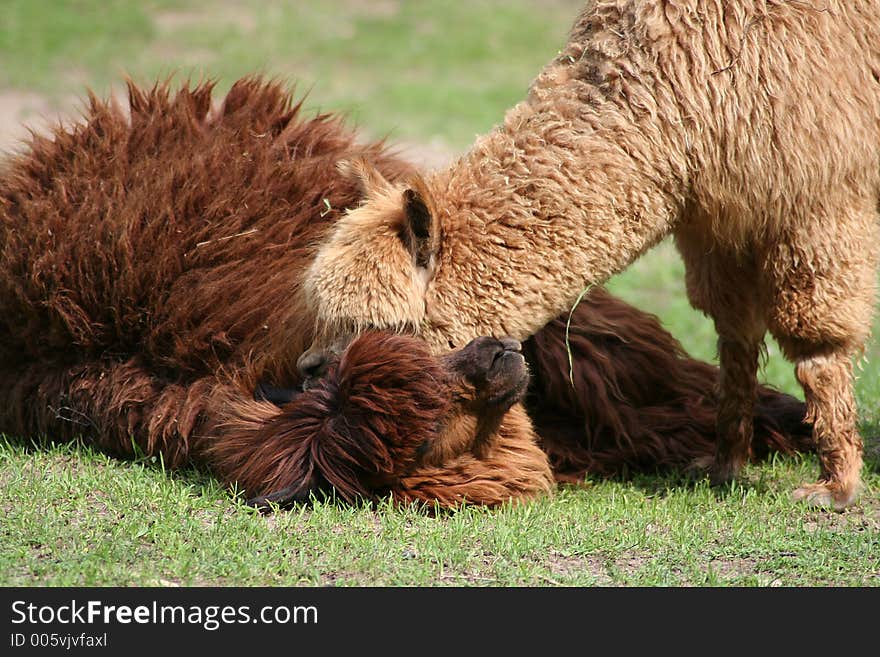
point(21, 111)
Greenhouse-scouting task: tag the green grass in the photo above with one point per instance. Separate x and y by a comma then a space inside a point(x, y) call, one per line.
point(418, 70)
point(78, 517)
point(436, 72)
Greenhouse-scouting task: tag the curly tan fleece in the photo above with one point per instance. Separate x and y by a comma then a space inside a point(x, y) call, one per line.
point(750, 131)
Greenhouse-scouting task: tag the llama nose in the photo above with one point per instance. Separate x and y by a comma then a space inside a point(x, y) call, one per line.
point(312, 364)
point(510, 344)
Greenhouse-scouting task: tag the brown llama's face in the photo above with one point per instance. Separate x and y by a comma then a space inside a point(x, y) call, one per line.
point(373, 271)
point(386, 406)
point(487, 374)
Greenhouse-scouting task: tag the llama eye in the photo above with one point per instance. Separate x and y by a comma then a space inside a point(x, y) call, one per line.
point(274, 395)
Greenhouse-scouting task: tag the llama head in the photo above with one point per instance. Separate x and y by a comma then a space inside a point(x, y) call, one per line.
point(373, 270)
point(382, 408)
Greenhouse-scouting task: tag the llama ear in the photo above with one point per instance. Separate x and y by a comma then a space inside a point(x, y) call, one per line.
point(368, 178)
point(421, 227)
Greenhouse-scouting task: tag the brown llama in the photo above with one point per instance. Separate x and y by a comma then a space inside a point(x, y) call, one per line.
point(749, 131)
point(149, 281)
point(150, 284)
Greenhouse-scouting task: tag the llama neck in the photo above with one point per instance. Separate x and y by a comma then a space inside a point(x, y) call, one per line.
point(560, 197)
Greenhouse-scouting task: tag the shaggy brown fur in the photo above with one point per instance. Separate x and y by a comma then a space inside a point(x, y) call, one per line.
point(749, 130)
point(635, 401)
point(388, 417)
point(167, 248)
point(150, 274)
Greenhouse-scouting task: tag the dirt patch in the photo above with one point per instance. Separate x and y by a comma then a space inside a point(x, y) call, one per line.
point(168, 583)
point(562, 566)
point(20, 110)
point(468, 578)
point(24, 111)
point(731, 568)
point(864, 516)
point(173, 20)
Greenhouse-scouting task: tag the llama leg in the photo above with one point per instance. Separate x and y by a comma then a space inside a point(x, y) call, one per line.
point(723, 284)
point(831, 407)
point(116, 404)
point(738, 351)
point(823, 289)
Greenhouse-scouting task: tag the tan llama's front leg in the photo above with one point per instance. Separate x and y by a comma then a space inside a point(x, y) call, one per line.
point(737, 388)
point(723, 283)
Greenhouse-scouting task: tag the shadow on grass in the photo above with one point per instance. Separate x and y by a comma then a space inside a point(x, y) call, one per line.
point(871, 435)
point(663, 483)
point(195, 476)
point(758, 477)
point(658, 484)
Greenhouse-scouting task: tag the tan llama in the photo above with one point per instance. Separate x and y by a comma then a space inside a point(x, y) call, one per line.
point(750, 131)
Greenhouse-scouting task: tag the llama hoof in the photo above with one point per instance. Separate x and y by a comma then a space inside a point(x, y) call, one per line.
point(698, 468)
point(826, 495)
point(720, 478)
point(723, 472)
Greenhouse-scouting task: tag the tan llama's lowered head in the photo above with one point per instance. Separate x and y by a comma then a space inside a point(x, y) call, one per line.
point(373, 270)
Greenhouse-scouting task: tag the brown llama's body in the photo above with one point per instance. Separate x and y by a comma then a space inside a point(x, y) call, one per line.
point(632, 400)
point(141, 259)
point(750, 131)
point(150, 277)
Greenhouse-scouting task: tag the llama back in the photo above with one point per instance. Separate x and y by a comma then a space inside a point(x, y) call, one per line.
point(748, 106)
point(176, 231)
